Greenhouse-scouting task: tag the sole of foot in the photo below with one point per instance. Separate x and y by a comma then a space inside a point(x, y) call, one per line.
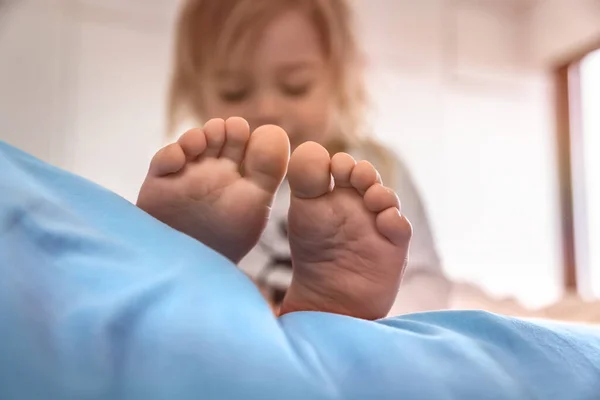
point(217, 184)
point(348, 239)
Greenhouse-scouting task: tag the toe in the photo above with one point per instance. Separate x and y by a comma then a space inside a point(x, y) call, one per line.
point(342, 165)
point(193, 143)
point(364, 175)
point(237, 133)
point(309, 171)
point(394, 226)
point(215, 137)
point(168, 160)
point(379, 198)
point(267, 156)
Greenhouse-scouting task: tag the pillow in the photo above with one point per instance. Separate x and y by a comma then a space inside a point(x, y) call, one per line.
point(100, 301)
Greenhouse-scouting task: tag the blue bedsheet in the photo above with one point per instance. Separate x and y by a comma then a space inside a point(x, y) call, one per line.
point(100, 301)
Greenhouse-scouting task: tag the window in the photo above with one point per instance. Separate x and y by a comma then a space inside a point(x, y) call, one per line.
point(578, 123)
point(589, 75)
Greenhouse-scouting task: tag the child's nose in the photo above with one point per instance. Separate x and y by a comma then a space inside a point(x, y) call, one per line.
point(267, 109)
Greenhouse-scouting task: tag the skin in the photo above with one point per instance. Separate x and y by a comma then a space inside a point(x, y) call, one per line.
point(217, 183)
point(287, 84)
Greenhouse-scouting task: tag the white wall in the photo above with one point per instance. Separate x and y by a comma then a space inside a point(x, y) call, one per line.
point(119, 94)
point(33, 73)
point(455, 93)
point(83, 85)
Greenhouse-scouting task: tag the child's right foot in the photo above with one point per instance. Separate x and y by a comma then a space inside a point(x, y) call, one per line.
point(217, 184)
point(348, 239)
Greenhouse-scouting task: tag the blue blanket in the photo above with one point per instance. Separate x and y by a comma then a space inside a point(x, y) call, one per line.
point(100, 301)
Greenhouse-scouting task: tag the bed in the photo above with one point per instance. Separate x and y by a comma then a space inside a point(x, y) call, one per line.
point(100, 301)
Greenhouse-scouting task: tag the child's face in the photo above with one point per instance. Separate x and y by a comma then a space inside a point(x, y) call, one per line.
point(285, 82)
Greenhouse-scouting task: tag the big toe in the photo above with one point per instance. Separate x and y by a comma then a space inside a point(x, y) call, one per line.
point(267, 157)
point(309, 171)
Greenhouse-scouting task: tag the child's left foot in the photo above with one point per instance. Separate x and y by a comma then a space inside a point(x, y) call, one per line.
point(348, 239)
point(217, 184)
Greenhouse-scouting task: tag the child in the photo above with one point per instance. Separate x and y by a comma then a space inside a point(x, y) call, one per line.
point(294, 64)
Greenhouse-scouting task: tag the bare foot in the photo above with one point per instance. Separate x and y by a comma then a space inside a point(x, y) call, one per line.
point(217, 184)
point(349, 241)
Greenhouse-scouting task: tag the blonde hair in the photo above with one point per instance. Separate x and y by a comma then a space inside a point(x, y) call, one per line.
point(209, 30)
